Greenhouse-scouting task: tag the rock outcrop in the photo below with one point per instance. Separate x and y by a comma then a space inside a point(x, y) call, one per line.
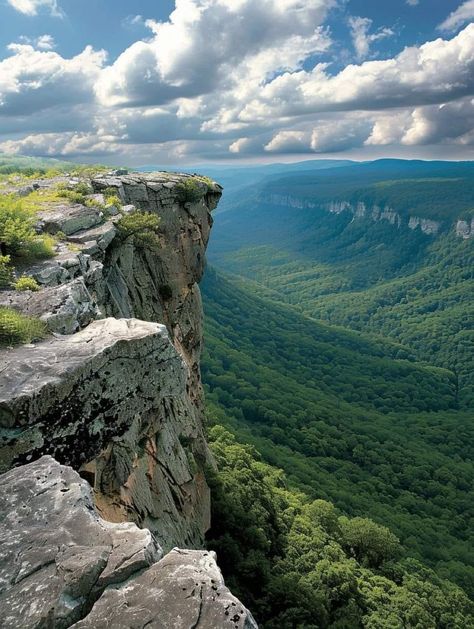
point(121, 401)
point(465, 228)
point(61, 565)
point(359, 209)
point(114, 395)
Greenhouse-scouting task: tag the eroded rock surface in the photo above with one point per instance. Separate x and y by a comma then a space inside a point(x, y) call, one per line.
point(111, 401)
point(61, 565)
point(183, 590)
point(56, 554)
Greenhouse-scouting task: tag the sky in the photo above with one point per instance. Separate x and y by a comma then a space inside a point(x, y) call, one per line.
point(139, 82)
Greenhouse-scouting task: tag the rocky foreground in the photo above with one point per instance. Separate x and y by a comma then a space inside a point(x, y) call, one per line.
point(101, 424)
point(64, 566)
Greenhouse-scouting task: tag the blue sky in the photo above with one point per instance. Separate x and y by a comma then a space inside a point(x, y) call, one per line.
point(219, 80)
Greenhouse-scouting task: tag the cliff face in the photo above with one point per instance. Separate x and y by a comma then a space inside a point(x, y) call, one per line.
point(431, 227)
point(115, 392)
point(120, 401)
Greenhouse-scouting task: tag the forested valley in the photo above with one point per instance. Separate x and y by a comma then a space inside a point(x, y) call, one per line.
point(341, 351)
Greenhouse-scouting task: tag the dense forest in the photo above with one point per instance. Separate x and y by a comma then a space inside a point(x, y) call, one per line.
point(342, 350)
point(300, 563)
point(348, 418)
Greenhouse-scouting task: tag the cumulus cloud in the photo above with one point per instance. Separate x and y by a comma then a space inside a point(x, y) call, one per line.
point(32, 80)
point(464, 13)
point(60, 145)
point(31, 7)
point(435, 72)
point(362, 38)
point(236, 78)
point(327, 136)
point(43, 42)
point(448, 123)
point(204, 41)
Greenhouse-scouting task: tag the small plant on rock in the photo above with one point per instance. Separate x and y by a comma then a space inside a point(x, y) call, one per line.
point(6, 271)
point(26, 283)
point(190, 190)
point(16, 328)
point(142, 227)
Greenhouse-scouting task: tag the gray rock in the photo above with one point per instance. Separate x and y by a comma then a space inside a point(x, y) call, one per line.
point(65, 309)
point(70, 219)
point(185, 589)
point(132, 448)
point(56, 554)
point(103, 235)
point(111, 400)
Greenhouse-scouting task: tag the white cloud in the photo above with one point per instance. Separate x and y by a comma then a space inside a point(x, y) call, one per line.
point(43, 42)
point(413, 3)
point(235, 78)
point(60, 145)
point(464, 13)
point(362, 39)
point(31, 7)
point(326, 136)
point(205, 42)
point(32, 80)
point(448, 123)
point(434, 72)
point(289, 142)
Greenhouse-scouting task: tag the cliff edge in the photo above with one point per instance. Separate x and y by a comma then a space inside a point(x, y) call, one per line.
point(113, 393)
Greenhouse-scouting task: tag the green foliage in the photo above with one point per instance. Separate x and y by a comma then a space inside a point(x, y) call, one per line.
point(142, 227)
point(348, 418)
point(17, 234)
point(26, 283)
point(74, 196)
point(16, 329)
point(6, 271)
point(191, 190)
point(371, 544)
point(292, 560)
point(109, 192)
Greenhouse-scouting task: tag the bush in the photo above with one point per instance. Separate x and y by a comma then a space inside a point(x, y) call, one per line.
point(109, 192)
point(17, 235)
point(191, 190)
point(141, 226)
point(72, 195)
point(26, 283)
point(16, 328)
point(6, 272)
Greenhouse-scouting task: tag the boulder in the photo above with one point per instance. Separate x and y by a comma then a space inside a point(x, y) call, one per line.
point(57, 555)
point(185, 589)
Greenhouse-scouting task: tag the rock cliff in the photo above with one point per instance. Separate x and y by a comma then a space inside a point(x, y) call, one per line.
point(462, 228)
point(64, 566)
point(115, 394)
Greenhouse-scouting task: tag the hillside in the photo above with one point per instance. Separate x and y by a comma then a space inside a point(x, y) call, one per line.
point(346, 419)
point(410, 286)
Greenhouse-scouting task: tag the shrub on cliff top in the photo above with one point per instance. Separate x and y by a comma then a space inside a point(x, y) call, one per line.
point(141, 226)
point(26, 283)
point(16, 328)
point(18, 237)
point(6, 271)
point(190, 190)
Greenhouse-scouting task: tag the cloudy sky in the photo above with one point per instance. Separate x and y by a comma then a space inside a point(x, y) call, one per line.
point(192, 81)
